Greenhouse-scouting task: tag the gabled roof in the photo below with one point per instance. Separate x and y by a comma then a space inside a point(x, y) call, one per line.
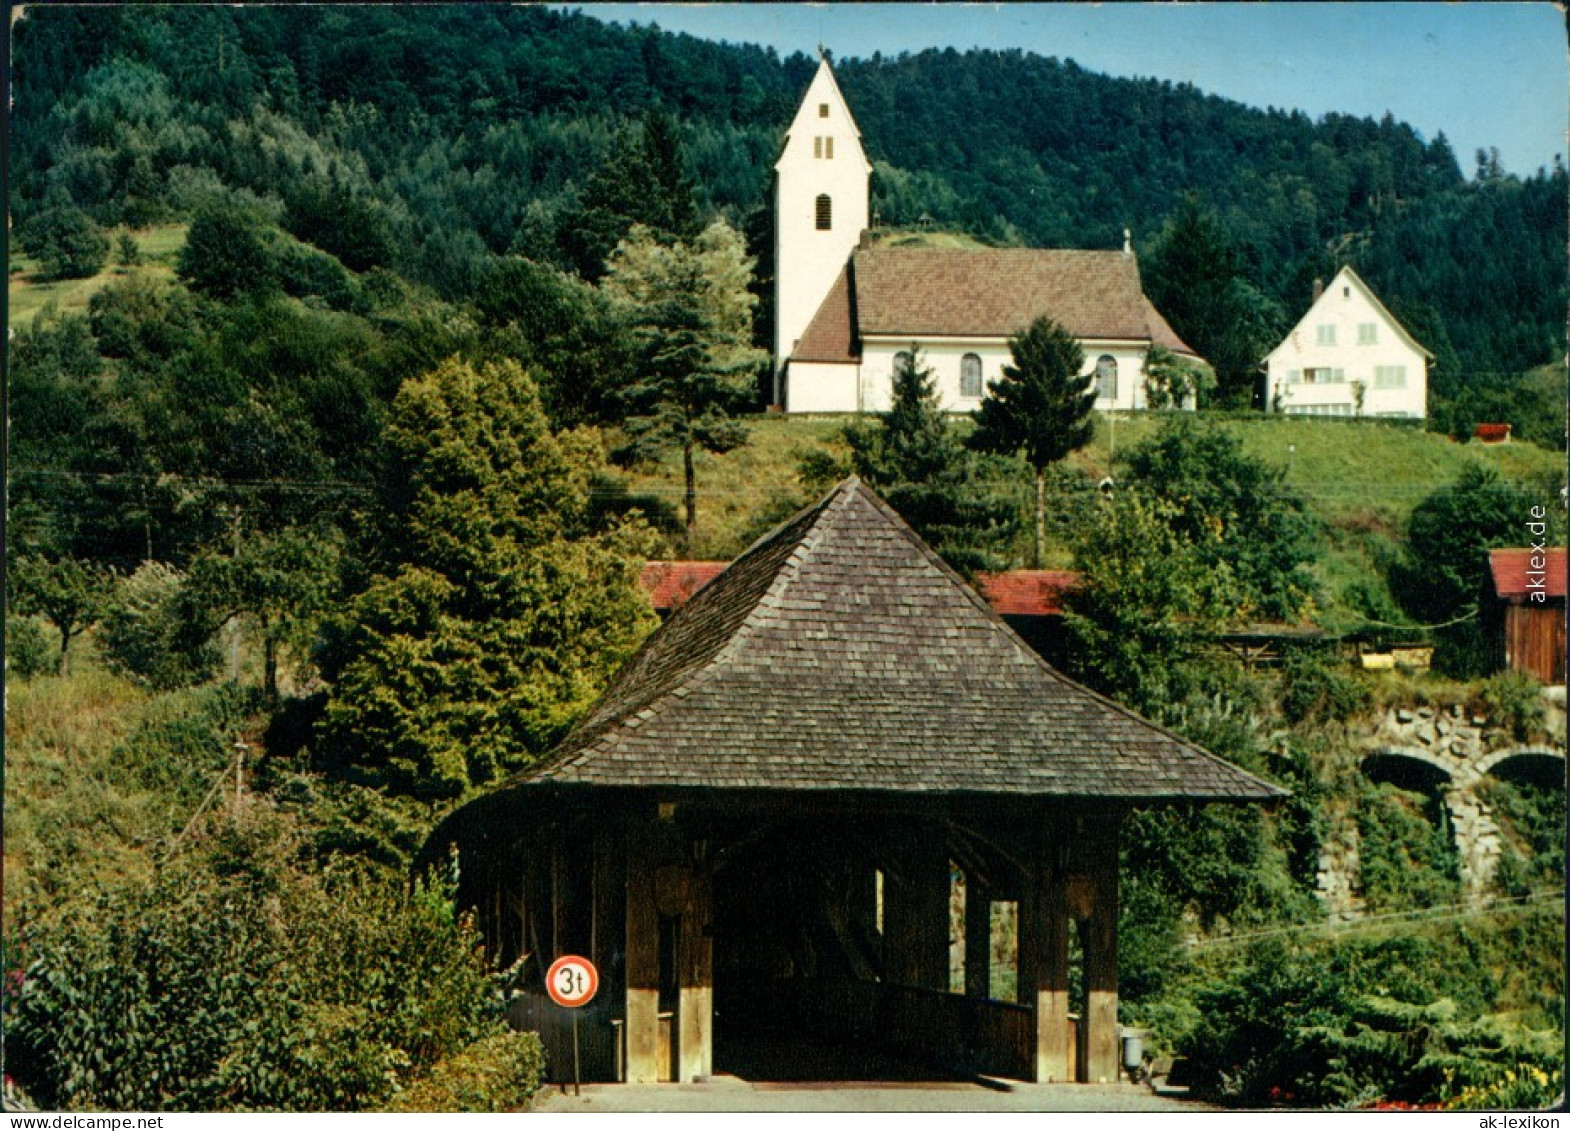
point(1349, 276)
point(822, 89)
point(839, 653)
point(1513, 572)
point(919, 292)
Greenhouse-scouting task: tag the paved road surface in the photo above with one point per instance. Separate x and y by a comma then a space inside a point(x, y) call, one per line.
point(726, 1093)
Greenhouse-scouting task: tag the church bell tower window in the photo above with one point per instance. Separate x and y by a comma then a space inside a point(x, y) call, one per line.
point(825, 213)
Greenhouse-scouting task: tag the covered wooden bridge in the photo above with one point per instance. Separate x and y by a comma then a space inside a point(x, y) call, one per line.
point(758, 833)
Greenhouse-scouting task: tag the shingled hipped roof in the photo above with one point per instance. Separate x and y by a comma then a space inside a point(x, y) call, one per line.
point(982, 293)
point(839, 653)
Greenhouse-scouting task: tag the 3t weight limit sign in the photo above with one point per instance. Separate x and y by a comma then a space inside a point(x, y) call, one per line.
point(572, 981)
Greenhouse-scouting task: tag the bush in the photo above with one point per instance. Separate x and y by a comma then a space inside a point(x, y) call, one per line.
point(499, 1073)
point(224, 255)
point(1316, 688)
point(144, 636)
point(1406, 858)
point(66, 242)
point(29, 653)
point(305, 272)
point(238, 981)
point(1514, 700)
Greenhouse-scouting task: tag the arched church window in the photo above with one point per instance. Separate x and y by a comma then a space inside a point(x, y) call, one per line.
point(825, 213)
point(970, 376)
point(901, 361)
point(1107, 377)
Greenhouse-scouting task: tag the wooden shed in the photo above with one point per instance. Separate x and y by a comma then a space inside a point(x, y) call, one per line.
point(1527, 615)
point(758, 833)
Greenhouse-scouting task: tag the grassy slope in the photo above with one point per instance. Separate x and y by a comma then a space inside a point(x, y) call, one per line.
point(28, 294)
point(1363, 478)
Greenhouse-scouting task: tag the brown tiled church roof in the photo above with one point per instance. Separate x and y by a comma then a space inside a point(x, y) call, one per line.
point(840, 653)
point(986, 293)
point(831, 335)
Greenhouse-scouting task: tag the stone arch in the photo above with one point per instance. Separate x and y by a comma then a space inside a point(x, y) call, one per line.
point(1409, 767)
point(1538, 765)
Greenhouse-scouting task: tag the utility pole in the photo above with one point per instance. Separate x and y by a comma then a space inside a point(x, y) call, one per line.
point(239, 774)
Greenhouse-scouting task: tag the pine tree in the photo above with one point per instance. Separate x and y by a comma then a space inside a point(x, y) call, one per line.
point(691, 313)
point(912, 457)
point(498, 610)
point(1040, 408)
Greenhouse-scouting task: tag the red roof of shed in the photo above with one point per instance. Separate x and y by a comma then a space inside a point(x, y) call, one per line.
point(1016, 593)
point(1027, 592)
point(1515, 571)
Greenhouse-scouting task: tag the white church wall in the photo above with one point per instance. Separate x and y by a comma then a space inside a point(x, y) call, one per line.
point(822, 159)
point(815, 386)
point(945, 357)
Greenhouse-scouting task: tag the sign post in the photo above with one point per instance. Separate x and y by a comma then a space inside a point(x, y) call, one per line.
point(572, 982)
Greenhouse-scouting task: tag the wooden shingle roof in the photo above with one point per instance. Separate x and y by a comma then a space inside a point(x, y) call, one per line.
point(839, 653)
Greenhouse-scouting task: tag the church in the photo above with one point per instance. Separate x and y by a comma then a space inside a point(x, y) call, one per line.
point(846, 307)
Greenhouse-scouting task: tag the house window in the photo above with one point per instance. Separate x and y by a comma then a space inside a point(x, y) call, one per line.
point(1367, 334)
point(1389, 376)
point(901, 361)
point(1294, 376)
point(823, 147)
point(1323, 376)
point(1106, 377)
point(823, 109)
point(970, 376)
point(825, 213)
point(1325, 335)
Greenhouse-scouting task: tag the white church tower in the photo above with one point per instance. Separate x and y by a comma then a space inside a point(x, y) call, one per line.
point(821, 188)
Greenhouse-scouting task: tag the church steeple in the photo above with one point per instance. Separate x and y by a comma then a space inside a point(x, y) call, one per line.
point(821, 189)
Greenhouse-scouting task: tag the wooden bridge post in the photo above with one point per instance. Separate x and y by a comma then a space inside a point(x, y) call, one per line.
point(643, 960)
point(1043, 954)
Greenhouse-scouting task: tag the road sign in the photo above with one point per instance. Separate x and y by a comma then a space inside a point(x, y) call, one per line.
point(572, 981)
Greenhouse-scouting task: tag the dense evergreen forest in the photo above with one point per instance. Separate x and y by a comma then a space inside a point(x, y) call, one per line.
point(369, 352)
point(472, 132)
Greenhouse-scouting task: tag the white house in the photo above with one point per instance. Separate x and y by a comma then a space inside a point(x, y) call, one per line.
point(1348, 357)
point(845, 308)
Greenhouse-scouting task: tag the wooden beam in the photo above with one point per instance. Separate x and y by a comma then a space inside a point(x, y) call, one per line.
point(643, 959)
point(978, 938)
point(695, 967)
point(916, 915)
point(1101, 962)
point(1043, 957)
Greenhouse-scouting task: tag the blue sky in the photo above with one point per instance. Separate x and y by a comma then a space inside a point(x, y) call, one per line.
point(1487, 74)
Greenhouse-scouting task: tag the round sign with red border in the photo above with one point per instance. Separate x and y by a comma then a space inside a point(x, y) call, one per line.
point(572, 981)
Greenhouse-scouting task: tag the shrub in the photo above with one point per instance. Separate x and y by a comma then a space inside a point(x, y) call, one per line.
point(238, 981)
point(66, 242)
point(145, 638)
point(499, 1073)
point(1514, 700)
point(1406, 858)
point(1316, 688)
point(28, 650)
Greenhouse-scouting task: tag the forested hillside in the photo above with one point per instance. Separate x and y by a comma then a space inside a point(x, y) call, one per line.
point(467, 132)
